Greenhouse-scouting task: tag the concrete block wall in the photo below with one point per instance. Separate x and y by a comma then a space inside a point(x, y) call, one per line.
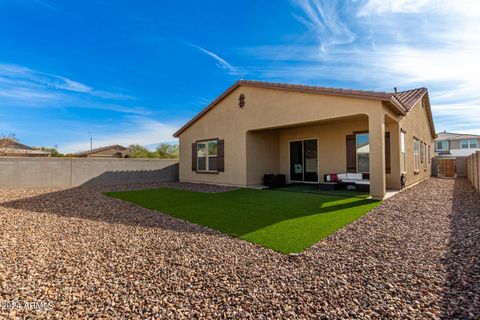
point(71, 172)
point(473, 170)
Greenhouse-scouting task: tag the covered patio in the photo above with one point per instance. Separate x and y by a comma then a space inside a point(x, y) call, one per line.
point(306, 152)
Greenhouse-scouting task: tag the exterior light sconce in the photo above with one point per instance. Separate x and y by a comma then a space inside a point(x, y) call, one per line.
point(241, 101)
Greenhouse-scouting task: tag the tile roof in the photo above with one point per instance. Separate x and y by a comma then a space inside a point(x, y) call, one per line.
point(12, 144)
point(410, 97)
point(455, 136)
point(400, 102)
point(83, 153)
point(11, 147)
point(316, 89)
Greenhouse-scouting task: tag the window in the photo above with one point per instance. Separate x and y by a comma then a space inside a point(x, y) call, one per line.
point(416, 155)
point(442, 145)
point(403, 155)
point(363, 153)
point(429, 157)
point(207, 156)
point(472, 143)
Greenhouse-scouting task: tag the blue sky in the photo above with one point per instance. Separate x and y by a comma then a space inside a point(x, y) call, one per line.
point(133, 72)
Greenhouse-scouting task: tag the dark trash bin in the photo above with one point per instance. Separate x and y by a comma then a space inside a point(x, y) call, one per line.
point(274, 180)
point(269, 180)
point(280, 180)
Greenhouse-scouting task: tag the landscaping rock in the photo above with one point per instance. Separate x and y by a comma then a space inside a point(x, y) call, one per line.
point(91, 256)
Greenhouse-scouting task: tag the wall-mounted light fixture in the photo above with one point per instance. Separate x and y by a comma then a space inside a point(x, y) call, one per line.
point(241, 100)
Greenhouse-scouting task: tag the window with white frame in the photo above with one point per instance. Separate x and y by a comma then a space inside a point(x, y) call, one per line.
point(416, 155)
point(442, 145)
point(403, 154)
point(207, 156)
point(469, 143)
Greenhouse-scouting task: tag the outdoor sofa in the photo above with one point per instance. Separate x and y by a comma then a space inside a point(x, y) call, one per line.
point(353, 181)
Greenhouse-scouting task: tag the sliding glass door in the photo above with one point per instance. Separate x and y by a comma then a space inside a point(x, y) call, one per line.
point(296, 160)
point(304, 160)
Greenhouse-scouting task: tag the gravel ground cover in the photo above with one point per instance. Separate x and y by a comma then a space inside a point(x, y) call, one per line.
point(86, 255)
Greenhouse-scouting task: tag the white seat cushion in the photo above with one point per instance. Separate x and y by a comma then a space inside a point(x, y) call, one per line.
point(349, 181)
point(363, 181)
point(355, 176)
point(342, 176)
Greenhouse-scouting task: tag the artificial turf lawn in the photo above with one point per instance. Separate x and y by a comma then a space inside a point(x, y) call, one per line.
point(286, 222)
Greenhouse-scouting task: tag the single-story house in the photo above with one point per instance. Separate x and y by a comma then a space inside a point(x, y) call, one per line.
point(12, 148)
point(305, 132)
point(113, 151)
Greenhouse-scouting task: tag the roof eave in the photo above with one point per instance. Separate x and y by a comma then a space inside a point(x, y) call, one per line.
point(206, 109)
point(255, 84)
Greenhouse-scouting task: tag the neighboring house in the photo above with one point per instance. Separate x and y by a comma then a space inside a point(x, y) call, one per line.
point(115, 151)
point(12, 148)
point(456, 144)
point(304, 132)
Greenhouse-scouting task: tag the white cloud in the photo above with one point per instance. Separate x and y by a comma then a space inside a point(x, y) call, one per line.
point(221, 63)
point(20, 76)
point(21, 86)
point(448, 7)
point(393, 6)
point(23, 74)
point(447, 62)
point(403, 43)
point(322, 18)
point(134, 130)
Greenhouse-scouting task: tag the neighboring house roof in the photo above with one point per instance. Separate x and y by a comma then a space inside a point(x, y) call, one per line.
point(12, 147)
point(12, 144)
point(365, 148)
point(400, 102)
point(455, 136)
point(96, 150)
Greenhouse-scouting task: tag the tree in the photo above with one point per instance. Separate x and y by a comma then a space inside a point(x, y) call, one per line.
point(10, 136)
point(139, 151)
point(166, 150)
point(163, 150)
point(53, 151)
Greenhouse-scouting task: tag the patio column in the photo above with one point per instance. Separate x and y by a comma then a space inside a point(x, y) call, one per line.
point(376, 129)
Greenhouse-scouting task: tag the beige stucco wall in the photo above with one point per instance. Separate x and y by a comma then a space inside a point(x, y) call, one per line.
point(416, 124)
point(264, 156)
point(331, 143)
point(272, 153)
point(256, 137)
point(264, 108)
point(393, 179)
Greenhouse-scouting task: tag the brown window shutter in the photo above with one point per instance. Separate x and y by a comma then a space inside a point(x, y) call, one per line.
point(388, 159)
point(421, 151)
point(351, 154)
point(194, 156)
point(221, 155)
